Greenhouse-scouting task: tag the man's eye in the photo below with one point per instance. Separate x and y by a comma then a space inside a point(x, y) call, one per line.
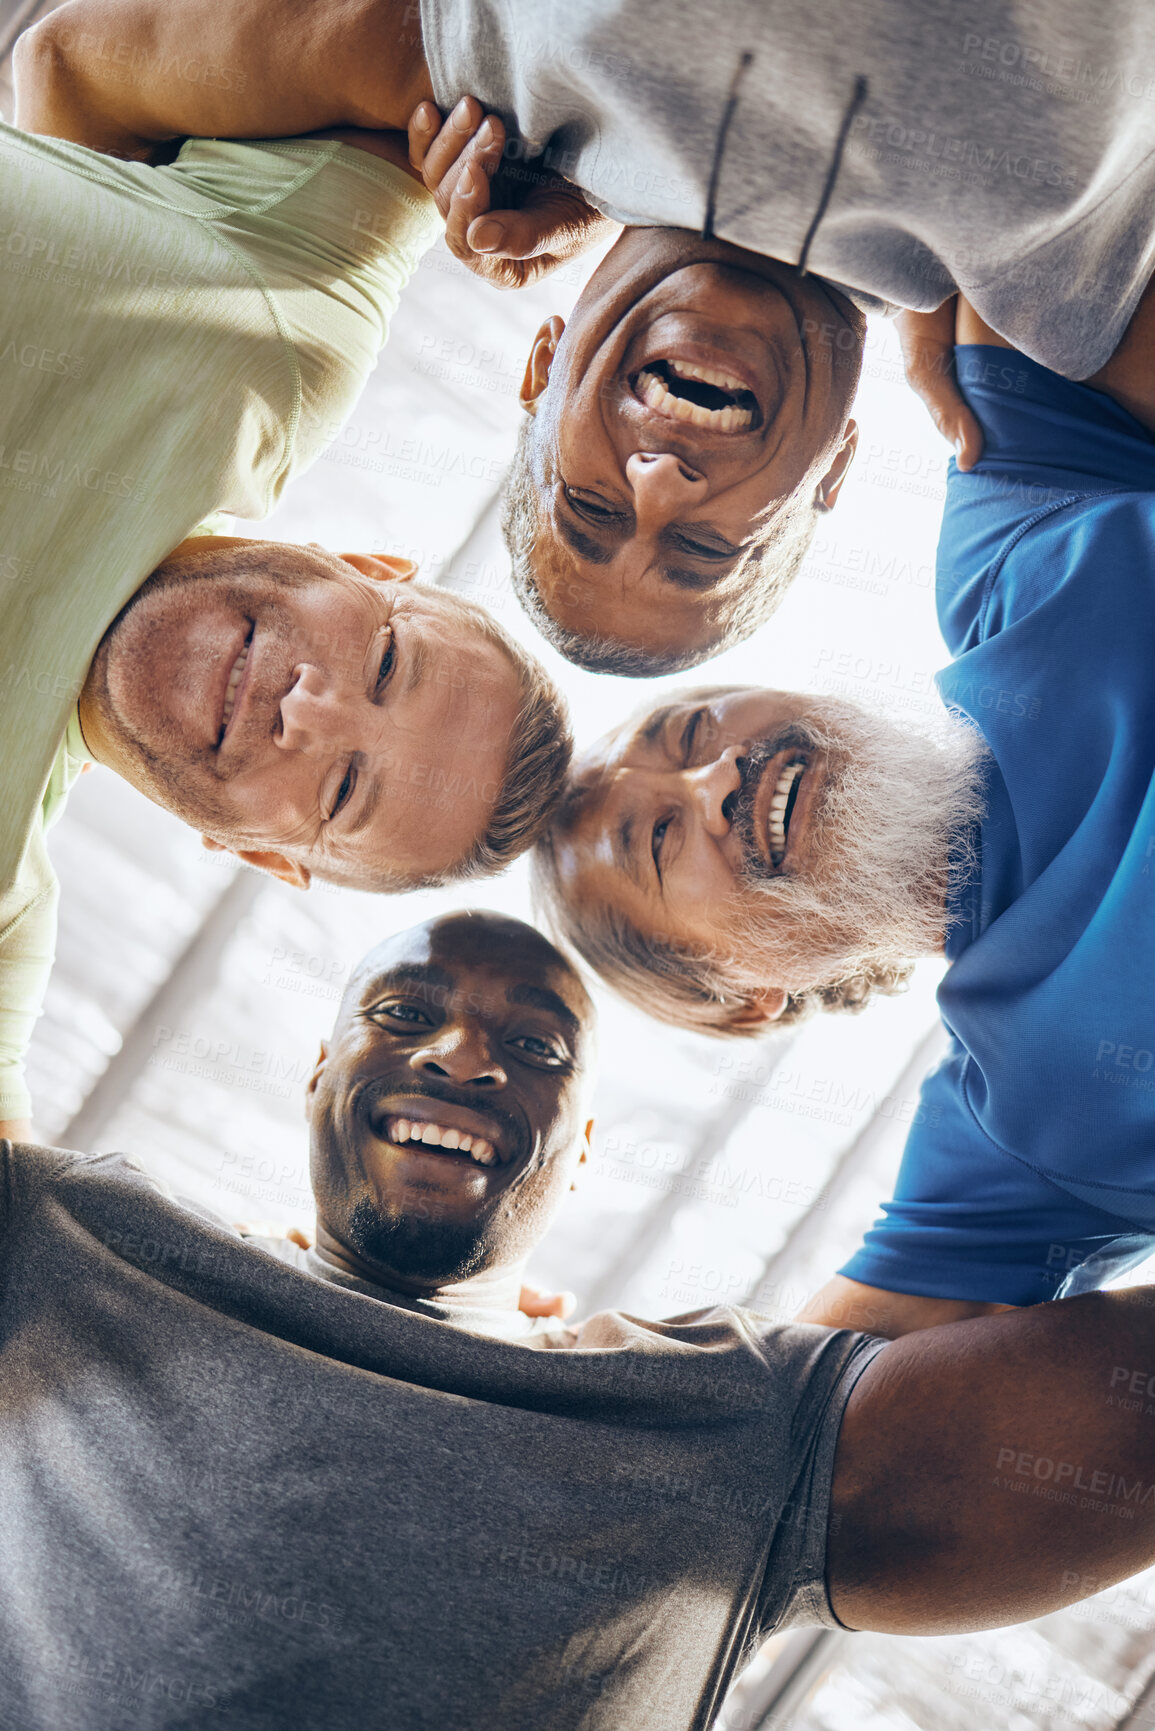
point(538, 1048)
point(344, 792)
point(408, 1013)
point(690, 734)
point(698, 549)
point(593, 509)
point(388, 662)
point(704, 543)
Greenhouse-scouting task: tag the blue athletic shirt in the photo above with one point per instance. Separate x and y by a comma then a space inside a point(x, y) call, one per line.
point(1033, 1148)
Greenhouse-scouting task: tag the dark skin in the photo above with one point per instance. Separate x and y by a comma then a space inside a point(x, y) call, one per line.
point(645, 518)
point(475, 1024)
point(927, 1532)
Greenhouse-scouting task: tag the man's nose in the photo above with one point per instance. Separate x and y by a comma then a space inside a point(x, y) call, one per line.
point(711, 789)
point(462, 1055)
point(314, 717)
point(662, 483)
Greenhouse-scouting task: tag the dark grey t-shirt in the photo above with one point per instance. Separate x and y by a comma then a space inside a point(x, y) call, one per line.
point(238, 1493)
point(1003, 147)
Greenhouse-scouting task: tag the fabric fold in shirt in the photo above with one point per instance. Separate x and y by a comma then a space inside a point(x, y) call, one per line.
point(1033, 1147)
point(173, 342)
point(1007, 151)
point(236, 1491)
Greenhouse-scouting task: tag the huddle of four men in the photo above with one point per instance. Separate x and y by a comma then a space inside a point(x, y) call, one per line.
point(253, 1484)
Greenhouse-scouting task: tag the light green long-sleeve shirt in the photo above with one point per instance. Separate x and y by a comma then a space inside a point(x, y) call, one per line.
point(173, 342)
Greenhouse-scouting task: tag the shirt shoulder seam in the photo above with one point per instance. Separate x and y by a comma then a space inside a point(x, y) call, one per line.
point(1025, 528)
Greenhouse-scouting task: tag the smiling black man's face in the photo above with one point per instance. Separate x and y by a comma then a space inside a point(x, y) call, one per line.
point(446, 1116)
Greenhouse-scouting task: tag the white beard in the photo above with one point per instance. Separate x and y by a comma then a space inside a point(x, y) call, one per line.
point(897, 815)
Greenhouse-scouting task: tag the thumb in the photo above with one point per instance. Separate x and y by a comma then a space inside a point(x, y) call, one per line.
point(559, 223)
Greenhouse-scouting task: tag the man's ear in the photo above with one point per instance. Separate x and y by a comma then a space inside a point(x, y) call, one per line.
point(278, 865)
point(760, 1009)
point(381, 567)
point(539, 362)
point(826, 496)
point(586, 1149)
point(311, 1084)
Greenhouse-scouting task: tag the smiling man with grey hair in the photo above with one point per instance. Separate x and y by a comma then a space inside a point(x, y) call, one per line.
point(741, 857)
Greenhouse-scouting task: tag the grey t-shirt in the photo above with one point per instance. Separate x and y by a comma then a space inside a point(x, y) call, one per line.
point(1003, 147)
point(238, 1493)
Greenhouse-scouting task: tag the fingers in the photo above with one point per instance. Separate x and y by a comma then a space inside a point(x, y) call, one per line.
point(469, 199)
point(534, 1302)
point(554, 221)
point(272, 1229)
point(928, 358)
point(441, 151)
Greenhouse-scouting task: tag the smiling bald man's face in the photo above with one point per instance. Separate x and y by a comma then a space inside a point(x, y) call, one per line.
point(696, 388)
point(448, 1111)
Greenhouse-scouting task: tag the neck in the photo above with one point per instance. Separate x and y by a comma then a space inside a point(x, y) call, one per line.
point(494, 1291)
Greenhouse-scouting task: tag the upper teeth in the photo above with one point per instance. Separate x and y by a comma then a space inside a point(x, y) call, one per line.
point(234, 681)
point(656, 396)
point(776, 823)
point(404, 1130)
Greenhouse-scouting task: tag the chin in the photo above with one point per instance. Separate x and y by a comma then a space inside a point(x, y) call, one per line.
point(417, 1246)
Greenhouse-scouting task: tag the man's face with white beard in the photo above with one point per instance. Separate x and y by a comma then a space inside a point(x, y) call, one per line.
point(791, 840)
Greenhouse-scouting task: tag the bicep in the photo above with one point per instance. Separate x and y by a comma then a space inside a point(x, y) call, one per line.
point(984, 1472)
point(845, 1303)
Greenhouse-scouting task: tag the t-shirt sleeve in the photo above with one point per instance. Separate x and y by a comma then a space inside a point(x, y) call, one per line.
point(969, 1221)
point(27, 950)
point(331, 234)
point(1047, 444)
point(803, 1600)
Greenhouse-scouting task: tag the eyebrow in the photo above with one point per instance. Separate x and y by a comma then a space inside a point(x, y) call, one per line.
point(683, 578)
point(410, 974)
point(650, 729)
point(583, 545)
point(418, 662)
point(541, 998)
point(624, 852)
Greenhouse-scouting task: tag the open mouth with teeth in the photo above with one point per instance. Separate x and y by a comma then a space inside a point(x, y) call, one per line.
point(405, 1131)
point(782, 803)
point(699, 396)
point(233, 684)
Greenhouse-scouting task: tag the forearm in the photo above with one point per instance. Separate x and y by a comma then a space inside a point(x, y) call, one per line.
point(987, 1470)
point(844, 1303)
point(123, 75)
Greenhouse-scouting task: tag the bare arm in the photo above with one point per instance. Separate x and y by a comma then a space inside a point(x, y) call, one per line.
point(996, 1470)
point(124, 75)
point(843, 1303)
point(928, 341)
